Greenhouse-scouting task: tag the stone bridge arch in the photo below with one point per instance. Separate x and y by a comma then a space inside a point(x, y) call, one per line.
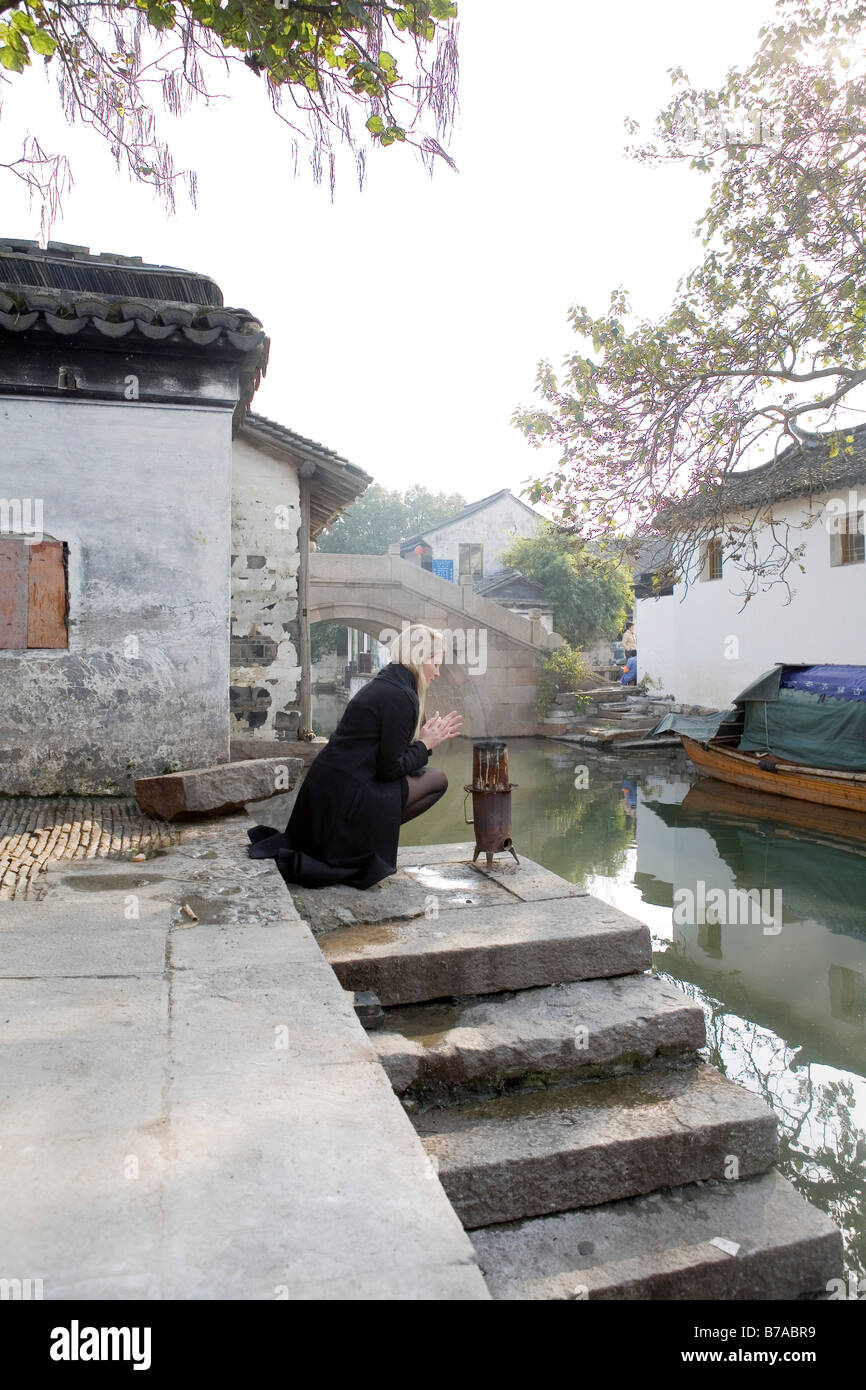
point(492, 678)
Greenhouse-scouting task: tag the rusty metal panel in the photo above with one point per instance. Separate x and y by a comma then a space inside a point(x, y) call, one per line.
point(46, 608)
point(14, 561)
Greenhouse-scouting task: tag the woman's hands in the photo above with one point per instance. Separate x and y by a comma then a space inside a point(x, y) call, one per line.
point(438, 729)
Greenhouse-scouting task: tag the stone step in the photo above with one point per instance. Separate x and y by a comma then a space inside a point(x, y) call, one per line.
point(613, 733)
point(616, 722)
point(661, 1247)
point(553, 728)
point(607, 692)
point(560, 1031)
point(530, 1153)
point(483, 950)
point(665, 743)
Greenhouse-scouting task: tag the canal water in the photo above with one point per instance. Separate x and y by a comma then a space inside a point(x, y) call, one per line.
point(780, 973)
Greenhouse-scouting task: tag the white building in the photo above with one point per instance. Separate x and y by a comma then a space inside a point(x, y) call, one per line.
point(154, 535)
point(468, 547)
point(470, 544)
point(702, 645)
point(120, 386)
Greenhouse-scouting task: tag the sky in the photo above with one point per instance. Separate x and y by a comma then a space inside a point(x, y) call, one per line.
point(407, 320)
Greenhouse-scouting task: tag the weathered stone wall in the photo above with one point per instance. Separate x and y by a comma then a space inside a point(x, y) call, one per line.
point(141, 496)
point(265, 661)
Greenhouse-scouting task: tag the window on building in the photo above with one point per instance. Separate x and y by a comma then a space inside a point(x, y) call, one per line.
point(470, 562)
point(33, 594)
point(847, 542)
point(712, 567)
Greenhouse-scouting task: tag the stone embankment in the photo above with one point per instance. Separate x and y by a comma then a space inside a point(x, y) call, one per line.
point(613, 718)
point(560, 1094)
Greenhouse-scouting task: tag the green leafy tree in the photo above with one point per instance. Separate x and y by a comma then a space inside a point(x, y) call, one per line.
point(326, 66)
point(767, 334)
point(588, 590)
point(323, 639)
point(379, 518)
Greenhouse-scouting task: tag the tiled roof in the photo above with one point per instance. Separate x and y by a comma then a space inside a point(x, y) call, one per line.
point(283, 435)
point(68, 314)
point(467, 511)
point(831, 459)
point(111, 299)
point(335, 483)
point(512, 579)
point(61, 265)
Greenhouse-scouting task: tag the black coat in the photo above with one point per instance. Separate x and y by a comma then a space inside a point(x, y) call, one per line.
point(345, 825)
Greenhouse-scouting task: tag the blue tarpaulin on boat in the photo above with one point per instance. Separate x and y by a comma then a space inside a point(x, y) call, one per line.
point(835, 682)
point(817, 716)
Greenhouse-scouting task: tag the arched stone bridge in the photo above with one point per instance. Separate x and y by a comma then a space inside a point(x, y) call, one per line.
point(490, 674)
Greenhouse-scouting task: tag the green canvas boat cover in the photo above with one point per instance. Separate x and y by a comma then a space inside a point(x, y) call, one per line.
point(814, 715)
point(700, 727)
point(812, 729)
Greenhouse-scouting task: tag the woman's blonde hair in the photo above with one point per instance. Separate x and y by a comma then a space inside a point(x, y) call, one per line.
point(414, 645)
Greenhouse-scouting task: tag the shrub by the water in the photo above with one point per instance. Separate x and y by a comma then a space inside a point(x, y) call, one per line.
point(565, 669)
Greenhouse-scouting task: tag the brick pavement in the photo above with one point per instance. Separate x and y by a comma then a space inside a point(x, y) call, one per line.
point(35, 830)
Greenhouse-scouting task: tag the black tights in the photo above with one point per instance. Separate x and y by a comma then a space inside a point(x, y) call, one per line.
point(424, 792)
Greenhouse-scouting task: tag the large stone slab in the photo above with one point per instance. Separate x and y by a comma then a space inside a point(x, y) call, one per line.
point(482, 950)
point(43, 940)
point(408, 894)
point(456, 885)
point(661, 1247)
point(535, 1152)
point(457, 853)
point(528, 881)
point(562, 1030)
point(214, 791)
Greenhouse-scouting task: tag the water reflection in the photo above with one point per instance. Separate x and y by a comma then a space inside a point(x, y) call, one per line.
point(786, 1007)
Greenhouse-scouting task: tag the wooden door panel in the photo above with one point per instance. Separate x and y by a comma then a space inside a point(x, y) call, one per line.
point(46, 607)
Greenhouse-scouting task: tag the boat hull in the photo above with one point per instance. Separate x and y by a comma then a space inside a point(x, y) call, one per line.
point(741, 772)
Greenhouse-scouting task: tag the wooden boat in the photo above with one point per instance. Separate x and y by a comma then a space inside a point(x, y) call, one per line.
point(824, 786)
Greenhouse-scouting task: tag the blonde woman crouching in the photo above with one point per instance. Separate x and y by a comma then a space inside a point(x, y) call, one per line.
point(370, 777)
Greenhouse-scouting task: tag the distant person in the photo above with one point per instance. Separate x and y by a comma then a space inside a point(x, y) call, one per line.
point(629, 641)
point(629, 676)
point(371, 777)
